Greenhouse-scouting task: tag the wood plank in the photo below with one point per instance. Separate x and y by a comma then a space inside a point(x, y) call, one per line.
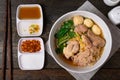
point(107, 74)
point(61, 74)
point(2, 29)
point(46, 74)
point(1, 42)
point(4, 50)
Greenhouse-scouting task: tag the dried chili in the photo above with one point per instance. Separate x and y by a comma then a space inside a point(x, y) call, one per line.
point(30, 46)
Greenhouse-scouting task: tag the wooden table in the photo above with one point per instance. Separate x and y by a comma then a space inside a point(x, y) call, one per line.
point(52, 10)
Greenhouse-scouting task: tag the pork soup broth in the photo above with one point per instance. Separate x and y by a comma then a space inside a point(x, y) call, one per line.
point(79, 41)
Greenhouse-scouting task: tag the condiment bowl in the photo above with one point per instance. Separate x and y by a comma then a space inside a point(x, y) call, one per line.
point(23, 24)
point(31, 60)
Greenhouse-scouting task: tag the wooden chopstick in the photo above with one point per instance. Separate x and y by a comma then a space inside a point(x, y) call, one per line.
point(9, 48)
point(4, 45)
point(7, 45)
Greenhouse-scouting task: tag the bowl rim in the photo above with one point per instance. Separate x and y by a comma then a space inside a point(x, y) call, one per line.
point(92, 69)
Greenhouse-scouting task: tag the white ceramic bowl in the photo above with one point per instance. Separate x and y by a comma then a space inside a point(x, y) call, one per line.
point(107, 36)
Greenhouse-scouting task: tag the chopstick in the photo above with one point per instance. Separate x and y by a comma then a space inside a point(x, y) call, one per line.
point(9, 48)
point(7, 45)
point(4, 45)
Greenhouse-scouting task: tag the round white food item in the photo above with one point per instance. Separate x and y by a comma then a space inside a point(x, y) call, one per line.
point(78, 20)
point(96, 30)
point(88, 22)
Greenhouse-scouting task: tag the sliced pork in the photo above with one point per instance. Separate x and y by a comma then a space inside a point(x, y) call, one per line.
point(80, 29)
point(87, 41)
point(72, 48)
point(97, 40)
point(87, 57)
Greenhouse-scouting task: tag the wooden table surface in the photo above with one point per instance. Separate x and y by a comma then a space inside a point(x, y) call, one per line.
point(52, 10)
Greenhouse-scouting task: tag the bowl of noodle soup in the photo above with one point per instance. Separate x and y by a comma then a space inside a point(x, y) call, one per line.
point(76, 36)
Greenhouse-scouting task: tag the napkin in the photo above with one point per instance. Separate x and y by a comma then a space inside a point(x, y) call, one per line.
point(115, 32)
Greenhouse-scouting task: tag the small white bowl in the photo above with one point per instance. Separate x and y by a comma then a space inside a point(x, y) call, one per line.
point(114, 15)
point(111, 2)
point(31, 61)
point(106, 33)
point(23, 24)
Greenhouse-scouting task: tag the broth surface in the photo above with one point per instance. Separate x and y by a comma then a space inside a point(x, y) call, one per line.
point(29, 13)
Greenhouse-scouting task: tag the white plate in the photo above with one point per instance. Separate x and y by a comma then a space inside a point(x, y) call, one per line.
point(23, 25)
point(31, 61)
